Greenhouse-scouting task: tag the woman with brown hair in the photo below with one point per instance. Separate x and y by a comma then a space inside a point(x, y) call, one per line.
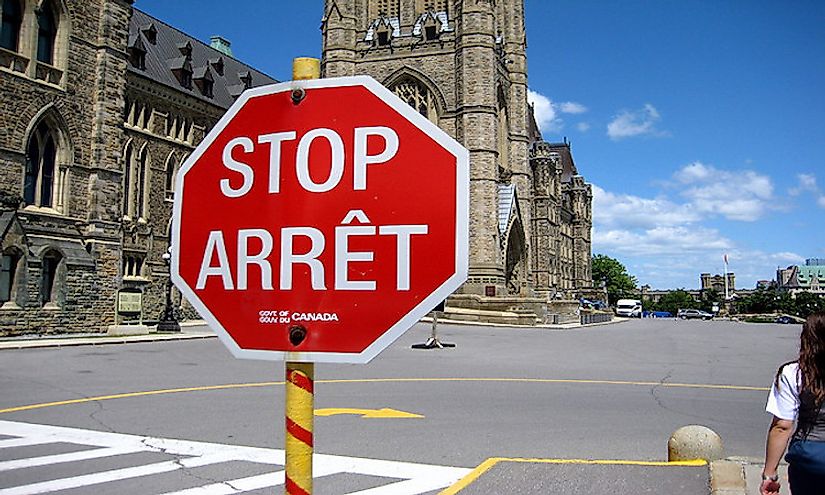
point(797, 394)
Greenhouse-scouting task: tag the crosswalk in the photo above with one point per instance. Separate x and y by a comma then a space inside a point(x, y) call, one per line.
point(389, 477)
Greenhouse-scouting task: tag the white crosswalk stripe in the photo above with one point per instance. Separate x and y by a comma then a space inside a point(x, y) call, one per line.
point(404, 478)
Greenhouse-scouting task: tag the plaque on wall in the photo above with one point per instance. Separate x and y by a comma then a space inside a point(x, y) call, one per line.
point(129, 302)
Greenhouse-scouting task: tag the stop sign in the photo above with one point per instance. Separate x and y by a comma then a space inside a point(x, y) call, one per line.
point(329, 206)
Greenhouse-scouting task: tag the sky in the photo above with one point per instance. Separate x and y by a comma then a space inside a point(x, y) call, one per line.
point(699, 123)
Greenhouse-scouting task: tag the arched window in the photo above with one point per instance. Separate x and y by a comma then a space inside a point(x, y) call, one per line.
point(46, 33)
point(48, 276)
point(171, 171)
point(503, 134)
point(417, 96)
point(10, 30)
point(8, 275)
point(135, 182)
point(141, 183)
point(41, 160)
point(127, 180)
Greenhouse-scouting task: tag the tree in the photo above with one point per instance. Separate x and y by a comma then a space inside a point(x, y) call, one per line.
point(617, 281)
point(675, 300)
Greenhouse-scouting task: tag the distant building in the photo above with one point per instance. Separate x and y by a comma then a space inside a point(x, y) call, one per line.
point(708, 282)
point(809, 277)
point(717, 283)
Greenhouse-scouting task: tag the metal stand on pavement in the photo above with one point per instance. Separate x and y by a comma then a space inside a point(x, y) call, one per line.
point(433, 342)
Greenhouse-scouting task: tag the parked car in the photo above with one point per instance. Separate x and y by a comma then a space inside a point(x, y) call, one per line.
point(785, 319)
point(631, 308)
point(693, 314)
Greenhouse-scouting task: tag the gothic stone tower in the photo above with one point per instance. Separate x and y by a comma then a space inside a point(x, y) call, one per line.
point(461, 63)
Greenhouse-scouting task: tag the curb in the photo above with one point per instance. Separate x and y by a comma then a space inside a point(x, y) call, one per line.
point(100, 340)
point(103, 339)
point(727, 478)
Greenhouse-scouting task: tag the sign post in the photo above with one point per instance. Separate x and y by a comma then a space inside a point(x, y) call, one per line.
point(316, 222)
point(299, 396)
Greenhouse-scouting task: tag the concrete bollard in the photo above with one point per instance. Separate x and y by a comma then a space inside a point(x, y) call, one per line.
point(694, 442)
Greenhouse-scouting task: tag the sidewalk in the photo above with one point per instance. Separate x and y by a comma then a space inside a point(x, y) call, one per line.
point(742, 476)
point(189, 330)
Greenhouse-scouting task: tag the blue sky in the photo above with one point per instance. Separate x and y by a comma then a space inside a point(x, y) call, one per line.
point(699, 123)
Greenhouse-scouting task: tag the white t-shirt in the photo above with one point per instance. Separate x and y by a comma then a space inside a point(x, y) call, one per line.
point(783, 401)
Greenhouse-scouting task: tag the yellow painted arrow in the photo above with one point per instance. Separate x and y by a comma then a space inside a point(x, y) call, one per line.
point(366, 413)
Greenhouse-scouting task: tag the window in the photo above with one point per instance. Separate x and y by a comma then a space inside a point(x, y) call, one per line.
point(430, 33)
point(383, 38)
point(431, 6)
point(10, 30)
point(135, 182)
point(503, 134)
point(383, 8)
point(8, 270)
point(206, 88)
point(51, 264)
point(186, 79)
point(40, 167)
point(46, 33)
point(137, 58)
point(171, 172)
point(142, 180)
point(127, 180)
point(416, 95)
point(132, 264)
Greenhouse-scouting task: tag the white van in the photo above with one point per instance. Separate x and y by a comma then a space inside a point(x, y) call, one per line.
point(631, 308)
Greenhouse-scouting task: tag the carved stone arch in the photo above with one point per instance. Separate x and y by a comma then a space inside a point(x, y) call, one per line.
point(407, 73)
point(15, 252)
point(514, 250)
point(52, 281)
point(49, 154)
point(54, 119)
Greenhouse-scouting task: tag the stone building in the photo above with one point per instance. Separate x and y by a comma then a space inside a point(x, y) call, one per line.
point(717, 283)
point(463, 65)
point(99, 105)
point(809, 277)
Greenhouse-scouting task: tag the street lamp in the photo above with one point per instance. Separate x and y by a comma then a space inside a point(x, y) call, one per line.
point(168, 322)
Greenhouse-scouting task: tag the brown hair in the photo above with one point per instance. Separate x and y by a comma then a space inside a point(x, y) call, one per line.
point(812, 357)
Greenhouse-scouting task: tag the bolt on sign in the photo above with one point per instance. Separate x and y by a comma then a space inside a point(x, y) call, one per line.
point(325, 209)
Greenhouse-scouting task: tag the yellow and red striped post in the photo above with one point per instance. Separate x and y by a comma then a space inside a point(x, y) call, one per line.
point(300, 377)
point(300, 409)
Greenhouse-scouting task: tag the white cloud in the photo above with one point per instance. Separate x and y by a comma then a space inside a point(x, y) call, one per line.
point(625, 211)
point(583, 126)
point(662, 242)
point(742, 195)
point(806, 183)
point(635, 123)
point(572, 107)
point(547, 112)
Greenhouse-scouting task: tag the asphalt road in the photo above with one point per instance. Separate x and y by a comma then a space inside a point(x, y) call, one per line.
point(613, 392)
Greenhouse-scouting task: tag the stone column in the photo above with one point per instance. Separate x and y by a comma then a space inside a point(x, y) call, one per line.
point(476, 124)
point(515, 62)
point(338, 30)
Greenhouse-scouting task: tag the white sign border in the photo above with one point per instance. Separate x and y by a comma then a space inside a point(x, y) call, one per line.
point(462, 178)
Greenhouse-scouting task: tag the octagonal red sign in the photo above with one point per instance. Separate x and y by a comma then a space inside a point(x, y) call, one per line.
point(328, 205)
